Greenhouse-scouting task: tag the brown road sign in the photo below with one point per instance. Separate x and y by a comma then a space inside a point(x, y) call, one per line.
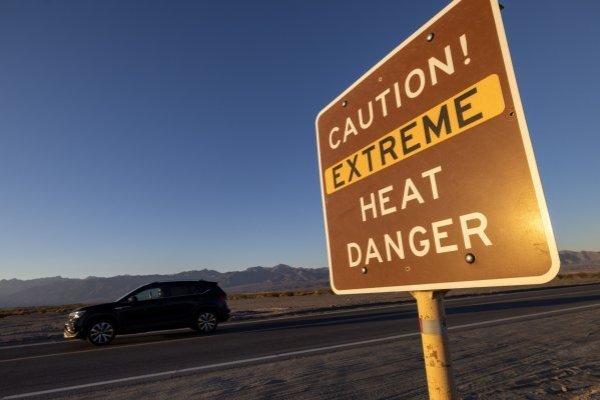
point(428, 176)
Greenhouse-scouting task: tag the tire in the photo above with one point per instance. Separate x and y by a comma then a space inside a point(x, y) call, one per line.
point(206, 322)
point(101, 332)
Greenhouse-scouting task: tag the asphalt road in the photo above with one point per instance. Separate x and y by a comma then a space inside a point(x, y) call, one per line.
point(53, 368)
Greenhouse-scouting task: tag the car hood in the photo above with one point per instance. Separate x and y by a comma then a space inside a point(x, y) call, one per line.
point(99, 307)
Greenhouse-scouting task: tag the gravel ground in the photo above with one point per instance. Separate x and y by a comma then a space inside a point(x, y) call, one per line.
point(548, 358)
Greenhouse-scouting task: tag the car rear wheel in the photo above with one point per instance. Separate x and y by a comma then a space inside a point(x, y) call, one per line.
point(206, 322)
point(101, 333)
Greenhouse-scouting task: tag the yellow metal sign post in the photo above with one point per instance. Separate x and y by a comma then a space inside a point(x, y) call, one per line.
point(436, 349)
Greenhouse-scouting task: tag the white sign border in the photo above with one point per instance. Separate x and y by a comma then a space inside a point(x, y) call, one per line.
point(543, 209)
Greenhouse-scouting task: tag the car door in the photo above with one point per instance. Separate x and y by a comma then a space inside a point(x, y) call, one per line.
point(146, 311)
point(180, 305)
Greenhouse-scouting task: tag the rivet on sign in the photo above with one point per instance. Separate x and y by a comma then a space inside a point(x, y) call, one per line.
point(407, 269)
point(470, 258)
point(344, 103)
point(380, 79)
point(511, 114)
point(430, 36)
point(363, 270)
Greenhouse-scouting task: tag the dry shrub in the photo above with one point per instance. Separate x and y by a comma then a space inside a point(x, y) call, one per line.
point(5, 312)
point(287, 293)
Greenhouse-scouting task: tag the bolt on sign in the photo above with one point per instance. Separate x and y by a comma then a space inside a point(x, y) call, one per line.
point(427, 172)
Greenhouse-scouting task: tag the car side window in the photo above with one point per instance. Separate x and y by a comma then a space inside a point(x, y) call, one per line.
point(200, 289)
point(150, 294)
point(180, 290)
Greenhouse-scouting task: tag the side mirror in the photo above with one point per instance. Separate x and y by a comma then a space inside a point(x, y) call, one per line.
point(132, 299)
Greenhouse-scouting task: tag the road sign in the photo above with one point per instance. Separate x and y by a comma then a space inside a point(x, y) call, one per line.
point(427, 172)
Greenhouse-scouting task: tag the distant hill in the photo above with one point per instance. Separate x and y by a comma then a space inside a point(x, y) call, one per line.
point(579, 260)
point(58, 290)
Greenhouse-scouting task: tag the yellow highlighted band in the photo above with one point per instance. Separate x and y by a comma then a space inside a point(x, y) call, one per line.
point(458, 114)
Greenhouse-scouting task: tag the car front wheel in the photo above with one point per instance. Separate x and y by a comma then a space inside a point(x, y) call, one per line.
point(101, 333)
point(206, 322)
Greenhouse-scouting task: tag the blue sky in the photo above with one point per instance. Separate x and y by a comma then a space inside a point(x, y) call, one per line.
point(159, 136)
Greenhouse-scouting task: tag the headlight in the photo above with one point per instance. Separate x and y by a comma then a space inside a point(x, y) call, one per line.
point(76, 314)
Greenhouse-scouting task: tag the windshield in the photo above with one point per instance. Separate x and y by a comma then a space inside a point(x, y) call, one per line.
point(128, 294)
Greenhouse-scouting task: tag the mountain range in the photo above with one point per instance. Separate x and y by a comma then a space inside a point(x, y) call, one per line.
point(58, 290)
point(579, 260)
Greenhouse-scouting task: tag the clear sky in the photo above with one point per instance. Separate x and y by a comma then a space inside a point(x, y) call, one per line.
point(160, 136)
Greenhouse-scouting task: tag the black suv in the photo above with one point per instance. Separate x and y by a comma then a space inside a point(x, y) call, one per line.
point(200, 305)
